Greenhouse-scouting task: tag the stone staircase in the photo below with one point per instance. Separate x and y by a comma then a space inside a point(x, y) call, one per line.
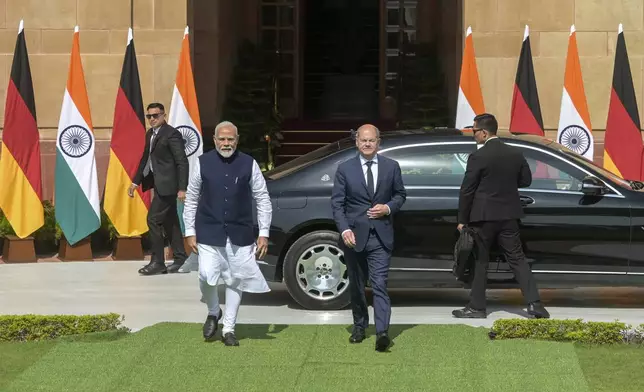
point(302, 137)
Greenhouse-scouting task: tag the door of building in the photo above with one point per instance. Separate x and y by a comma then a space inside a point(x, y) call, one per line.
point(398, 35)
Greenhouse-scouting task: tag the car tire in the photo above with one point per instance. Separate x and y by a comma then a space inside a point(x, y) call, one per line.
point(311, 251)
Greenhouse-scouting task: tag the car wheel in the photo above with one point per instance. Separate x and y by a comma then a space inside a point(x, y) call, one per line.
point(315, 272)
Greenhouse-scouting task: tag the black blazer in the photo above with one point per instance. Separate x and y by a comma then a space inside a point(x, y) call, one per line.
point(169, 162)
point(350, 200)
point(490, 188)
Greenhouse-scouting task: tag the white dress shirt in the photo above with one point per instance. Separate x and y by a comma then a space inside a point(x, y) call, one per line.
point(155, 132)
point(479, 146)
point(260, 194)
point(374, 171)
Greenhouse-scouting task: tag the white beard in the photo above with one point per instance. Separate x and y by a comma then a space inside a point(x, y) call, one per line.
point(225, 154)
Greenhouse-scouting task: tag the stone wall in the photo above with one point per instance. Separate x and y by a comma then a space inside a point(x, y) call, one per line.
point(49, 24)
point(498, 33)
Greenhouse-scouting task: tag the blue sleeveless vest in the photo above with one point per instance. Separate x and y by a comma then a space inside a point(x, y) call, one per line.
point(225, 206)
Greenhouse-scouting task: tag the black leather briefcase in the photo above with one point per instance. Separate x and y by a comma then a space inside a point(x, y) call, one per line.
point(464, 254)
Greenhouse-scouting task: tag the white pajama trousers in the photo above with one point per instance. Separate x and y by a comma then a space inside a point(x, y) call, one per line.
point(237, 268)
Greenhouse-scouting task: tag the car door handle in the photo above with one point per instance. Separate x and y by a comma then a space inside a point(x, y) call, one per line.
point(526, 200)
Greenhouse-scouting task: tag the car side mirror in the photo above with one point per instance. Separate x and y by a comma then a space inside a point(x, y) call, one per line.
point(592, 186)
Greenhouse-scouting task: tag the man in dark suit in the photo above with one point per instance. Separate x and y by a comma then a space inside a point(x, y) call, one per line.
point(367, 192)
point(489, 203)
point(164, 167)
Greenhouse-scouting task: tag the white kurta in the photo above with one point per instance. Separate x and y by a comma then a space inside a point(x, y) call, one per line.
point(234, 265)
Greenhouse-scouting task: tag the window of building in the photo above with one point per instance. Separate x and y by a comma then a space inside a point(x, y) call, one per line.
point(278, 27)
point(400, 33)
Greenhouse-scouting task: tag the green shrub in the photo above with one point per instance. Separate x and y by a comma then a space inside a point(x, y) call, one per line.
point(47, 237)
point(49, 231)
point(567, 331)
point(30, 327)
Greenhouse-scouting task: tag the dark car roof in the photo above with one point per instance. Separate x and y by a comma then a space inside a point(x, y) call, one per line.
point(399, 138)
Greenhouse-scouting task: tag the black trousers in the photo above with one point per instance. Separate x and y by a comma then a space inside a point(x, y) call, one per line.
point(506, 233)
point(163, 218)
point(372, 262)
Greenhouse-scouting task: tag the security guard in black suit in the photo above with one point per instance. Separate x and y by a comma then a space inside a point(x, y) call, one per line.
point(489, 203)
point(164, 167)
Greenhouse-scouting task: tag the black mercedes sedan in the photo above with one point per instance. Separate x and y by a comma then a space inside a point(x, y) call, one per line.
point(583, 225)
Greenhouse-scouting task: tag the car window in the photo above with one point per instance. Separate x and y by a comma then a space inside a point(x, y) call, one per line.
point(442, 165)
point(552, 174)
point(308, 159)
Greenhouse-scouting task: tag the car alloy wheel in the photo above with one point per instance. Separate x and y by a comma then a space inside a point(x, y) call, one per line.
point(321, 272)
point(315, 272)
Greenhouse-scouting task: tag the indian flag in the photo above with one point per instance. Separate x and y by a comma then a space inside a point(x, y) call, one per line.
point(470, 97)
point(575, 131)
point(184, 112)
point(76, 186)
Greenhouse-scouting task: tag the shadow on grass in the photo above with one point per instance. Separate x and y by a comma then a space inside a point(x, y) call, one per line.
point(259, 331)
point(395, 330)
point(252, 332)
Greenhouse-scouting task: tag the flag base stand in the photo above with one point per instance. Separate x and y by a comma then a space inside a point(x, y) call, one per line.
point(128, 248)
point(81, 251)
point(18, 250)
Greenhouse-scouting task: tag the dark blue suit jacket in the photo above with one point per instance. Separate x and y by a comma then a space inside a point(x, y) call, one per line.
point(350, 200)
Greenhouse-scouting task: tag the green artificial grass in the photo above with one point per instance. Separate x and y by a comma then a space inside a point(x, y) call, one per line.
point(173, 356)
point(612, 368)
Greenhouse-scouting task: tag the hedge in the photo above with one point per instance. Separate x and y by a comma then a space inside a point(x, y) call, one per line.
point(30, 327)
point(567, 331)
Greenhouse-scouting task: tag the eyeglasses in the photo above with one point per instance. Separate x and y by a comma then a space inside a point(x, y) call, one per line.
point(154, 115)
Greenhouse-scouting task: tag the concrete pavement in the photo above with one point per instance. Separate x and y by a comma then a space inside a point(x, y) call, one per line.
point(99, 287)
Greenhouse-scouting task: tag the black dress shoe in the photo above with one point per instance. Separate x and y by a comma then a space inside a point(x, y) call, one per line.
point(468, 312)
point(210, 326)
point(537, 310)
point(382, 341)
point(357, 336)
point(230, 339)
point(153, 269)
point(174, 267)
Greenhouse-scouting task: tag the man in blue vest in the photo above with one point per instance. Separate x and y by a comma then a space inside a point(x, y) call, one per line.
point(219, 228)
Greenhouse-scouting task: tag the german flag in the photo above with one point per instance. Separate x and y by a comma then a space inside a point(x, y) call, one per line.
point(525, 116)
point(128, 215)
point(623, 140)
point(20, 175)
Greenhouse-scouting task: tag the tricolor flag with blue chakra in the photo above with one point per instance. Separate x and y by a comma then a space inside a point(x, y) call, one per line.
point(76, 195)
point(184, 112)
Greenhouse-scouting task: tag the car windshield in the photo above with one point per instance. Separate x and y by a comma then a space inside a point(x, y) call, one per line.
point(308, 159)
point(584, 161)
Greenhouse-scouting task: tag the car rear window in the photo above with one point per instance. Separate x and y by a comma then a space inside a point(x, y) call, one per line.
point(309, 159)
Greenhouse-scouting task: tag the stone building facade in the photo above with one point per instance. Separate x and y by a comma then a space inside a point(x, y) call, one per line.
point(217, 26)
point(498, 27)
point(49, 25)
